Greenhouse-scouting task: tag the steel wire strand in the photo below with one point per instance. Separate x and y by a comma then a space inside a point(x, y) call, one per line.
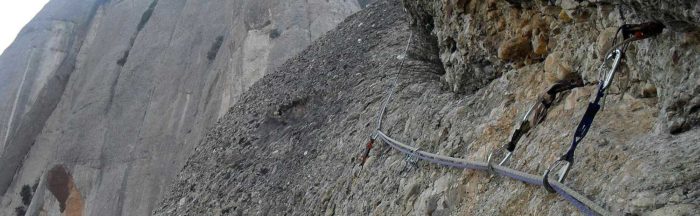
point(581, 202)
point(380, 115)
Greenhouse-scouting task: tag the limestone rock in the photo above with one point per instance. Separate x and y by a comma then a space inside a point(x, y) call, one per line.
point(515, 49)
point(629, 162)
point(683, 209)
point(649, 90)
point(557, 67)
point(119, 92)
point(569, 4)
point(564, 16)
point(288, 145)
point(539, 43)
point(605, 41)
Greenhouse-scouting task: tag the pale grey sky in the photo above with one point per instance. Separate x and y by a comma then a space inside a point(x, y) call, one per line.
point(14, 14)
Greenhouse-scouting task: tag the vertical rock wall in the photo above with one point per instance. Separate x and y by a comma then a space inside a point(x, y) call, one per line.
point(34, 71)
point(118, 92)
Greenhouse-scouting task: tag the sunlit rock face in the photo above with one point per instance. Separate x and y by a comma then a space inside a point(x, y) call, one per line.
point(119, 92)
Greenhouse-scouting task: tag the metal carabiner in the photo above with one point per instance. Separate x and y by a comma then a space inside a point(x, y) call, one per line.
point(562, 173)
point(499, 151)
point(524, 120)
point(607, 79)
point(412, 158)
point(521, 128)
point(580, 133)
point(515, 137)
point(375, 134)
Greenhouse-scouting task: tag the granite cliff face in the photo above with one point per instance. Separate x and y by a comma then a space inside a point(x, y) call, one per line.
point(291, 144)
point(101, 101)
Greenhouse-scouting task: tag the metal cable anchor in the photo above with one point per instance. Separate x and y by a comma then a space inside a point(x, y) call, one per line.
point(562, 173)
point(607, 80)
point(567, 160)
point(521, 128)
point(411, 160)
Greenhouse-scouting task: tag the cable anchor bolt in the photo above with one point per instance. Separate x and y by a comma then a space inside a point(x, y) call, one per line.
point(566, 166)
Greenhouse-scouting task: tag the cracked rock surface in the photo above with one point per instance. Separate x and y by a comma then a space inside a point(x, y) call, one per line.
point(291, 145)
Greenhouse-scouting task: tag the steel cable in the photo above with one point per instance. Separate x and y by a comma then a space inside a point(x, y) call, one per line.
point(380, 116)
point(581, 202)
point(584, 204)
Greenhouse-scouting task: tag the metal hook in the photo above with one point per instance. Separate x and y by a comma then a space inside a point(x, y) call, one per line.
point(499, 151)
point(520, 128)
point(510, 147)
point(527, 115)
point(607, 80)
point(562, 173)
point(412, 158)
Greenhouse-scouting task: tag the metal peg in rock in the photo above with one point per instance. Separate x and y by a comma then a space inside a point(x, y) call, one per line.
point(534, 115)
point(630, 32)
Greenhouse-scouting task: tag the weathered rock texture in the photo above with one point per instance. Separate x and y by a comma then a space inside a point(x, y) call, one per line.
point(119, 92)
point(291, 144)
